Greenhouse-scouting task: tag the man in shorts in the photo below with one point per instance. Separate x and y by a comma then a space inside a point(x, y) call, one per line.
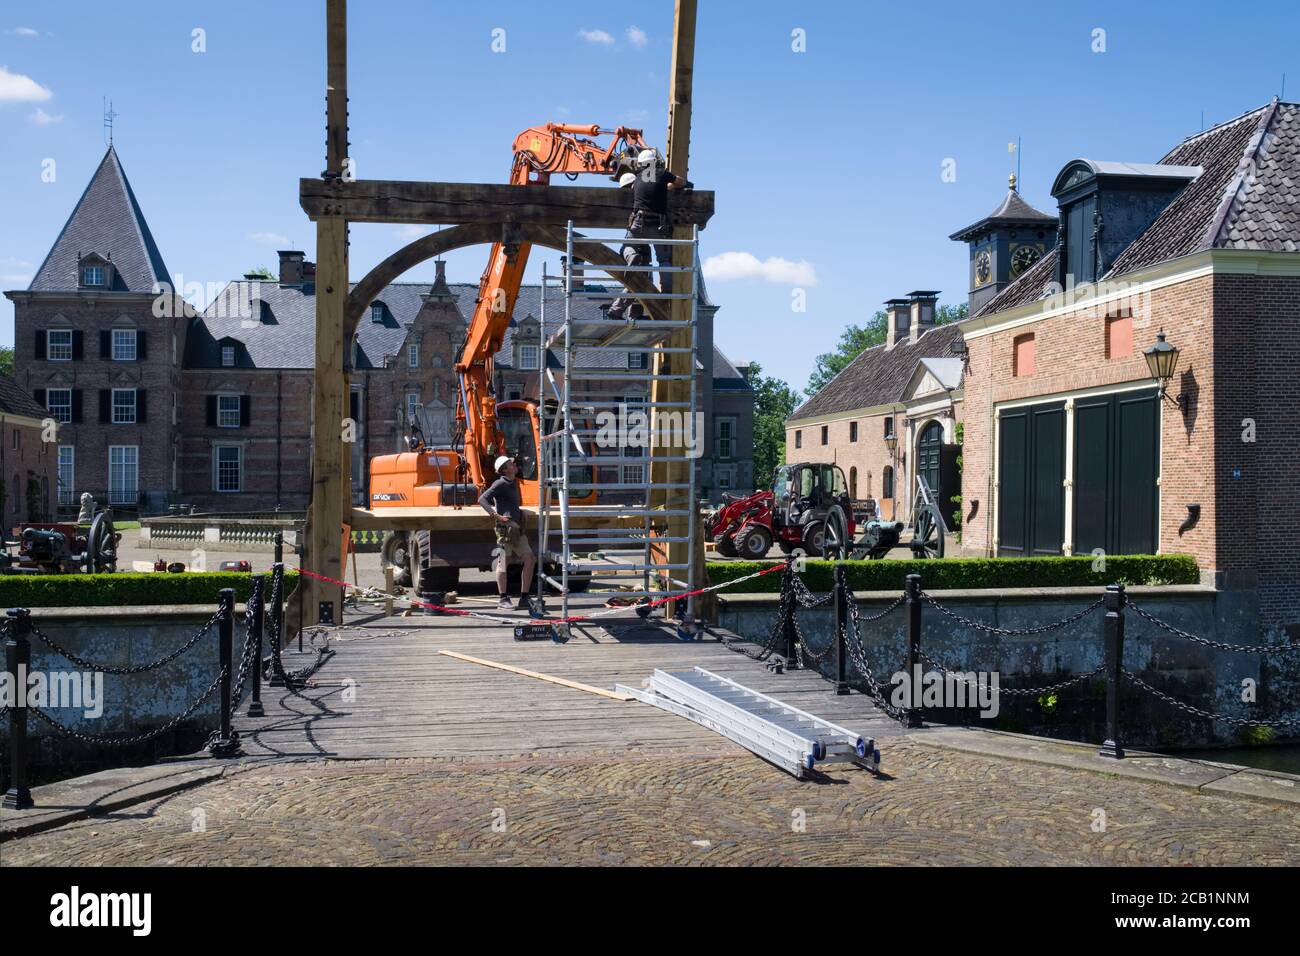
point(501, 501)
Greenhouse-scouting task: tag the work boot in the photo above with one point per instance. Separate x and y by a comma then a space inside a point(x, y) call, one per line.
point(504, 604)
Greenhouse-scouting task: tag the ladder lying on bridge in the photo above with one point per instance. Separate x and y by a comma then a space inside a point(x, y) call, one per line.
point(790, 738)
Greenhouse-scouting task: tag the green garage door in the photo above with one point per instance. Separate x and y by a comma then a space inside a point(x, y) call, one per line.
point(1031, 476)
point(1116, 465)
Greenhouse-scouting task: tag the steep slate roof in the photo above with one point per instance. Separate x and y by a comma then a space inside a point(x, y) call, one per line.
point(107, 220)
point(283, 335)
point(15, 400)
point(879, 375)
point(1245, 198)
point(1012, 210)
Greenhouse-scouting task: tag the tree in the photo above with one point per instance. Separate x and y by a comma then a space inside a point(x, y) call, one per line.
point(856, 339)
point(261, 272)
point(6, 360)
point(774, 402)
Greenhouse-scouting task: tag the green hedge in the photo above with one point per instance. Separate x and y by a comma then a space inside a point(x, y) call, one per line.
point(113, 590)
point(952, 573)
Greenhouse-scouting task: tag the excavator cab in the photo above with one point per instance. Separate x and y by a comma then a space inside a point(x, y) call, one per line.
point(517, 422)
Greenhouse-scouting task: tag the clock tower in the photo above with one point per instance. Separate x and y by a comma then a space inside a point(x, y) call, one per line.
point(1005, 244)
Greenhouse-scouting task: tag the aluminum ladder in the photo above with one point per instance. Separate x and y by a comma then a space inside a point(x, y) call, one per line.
point(794, 740)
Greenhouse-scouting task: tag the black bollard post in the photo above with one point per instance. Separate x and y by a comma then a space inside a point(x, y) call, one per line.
point(18, 659)
point(226, 744)
point(787, 610)
point(279, 548)
point(277, 623)
point(912, 590)
point(1114, 637)
point(841, 603)
point(258, 623)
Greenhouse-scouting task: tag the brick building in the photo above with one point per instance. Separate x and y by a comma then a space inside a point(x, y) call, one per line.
point(27, 461)
point(160, 405)
point(1071, 446)
point(891, 413)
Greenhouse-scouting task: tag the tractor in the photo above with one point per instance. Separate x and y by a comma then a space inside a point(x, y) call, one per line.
point(792, 514)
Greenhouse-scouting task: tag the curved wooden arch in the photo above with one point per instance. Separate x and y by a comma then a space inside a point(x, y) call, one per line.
point(458, 237)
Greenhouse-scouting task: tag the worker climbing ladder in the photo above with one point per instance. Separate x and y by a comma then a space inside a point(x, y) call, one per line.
point(600, 426)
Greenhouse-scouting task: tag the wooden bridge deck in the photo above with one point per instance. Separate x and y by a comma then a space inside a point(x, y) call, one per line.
point(411, 701)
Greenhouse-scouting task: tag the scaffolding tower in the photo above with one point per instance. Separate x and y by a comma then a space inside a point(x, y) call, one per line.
point(608, 371)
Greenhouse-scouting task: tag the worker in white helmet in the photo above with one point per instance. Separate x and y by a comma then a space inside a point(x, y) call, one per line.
point(501, 501)
point(649, 219)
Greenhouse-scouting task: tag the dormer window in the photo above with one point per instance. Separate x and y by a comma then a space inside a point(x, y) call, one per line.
point(94, 272)
point(528, 357)
point(227, 356)
point(377, 312)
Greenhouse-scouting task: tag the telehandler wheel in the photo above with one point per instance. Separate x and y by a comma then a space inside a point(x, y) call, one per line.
point(814, 536)
point(755, 543)
point(727, 546)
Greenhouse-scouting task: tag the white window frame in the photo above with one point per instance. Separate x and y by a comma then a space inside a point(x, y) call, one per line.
point(223, 414)
point(54, 409)
point(227, 356)
point(118, 488)
point(413, 356)
point(125, 349)
point(50, 346)
point(99, 273)
point(633, 474)
point(524, 364)
point(412, 403)
point(730, 423)
point(217, 473)
point(134, 407)
point(638, 361)
point(66, 482)
point(726, 477)
point(377, 312)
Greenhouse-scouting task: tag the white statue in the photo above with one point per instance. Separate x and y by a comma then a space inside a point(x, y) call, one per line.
point(87, 507)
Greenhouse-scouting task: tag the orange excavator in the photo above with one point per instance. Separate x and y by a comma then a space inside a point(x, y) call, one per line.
point(485, 427)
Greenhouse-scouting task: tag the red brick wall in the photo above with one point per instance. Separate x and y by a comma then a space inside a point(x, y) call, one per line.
point(156, 374)
point(1239, 344)
point(32, 458)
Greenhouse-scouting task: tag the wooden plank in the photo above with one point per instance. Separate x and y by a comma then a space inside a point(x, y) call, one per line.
point(546, 677)
point(436, 203)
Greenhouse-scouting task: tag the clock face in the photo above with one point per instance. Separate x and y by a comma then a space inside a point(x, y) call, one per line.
point(1022, 257)
point(983, 268)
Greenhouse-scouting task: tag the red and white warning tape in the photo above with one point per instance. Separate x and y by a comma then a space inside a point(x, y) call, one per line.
point(373, 592)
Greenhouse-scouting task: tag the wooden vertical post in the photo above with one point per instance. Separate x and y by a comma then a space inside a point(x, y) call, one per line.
point(677, 157)
point(331, 492)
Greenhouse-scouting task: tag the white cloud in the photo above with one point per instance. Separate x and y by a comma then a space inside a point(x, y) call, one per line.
point(270, 239)
point(17, 88)
point(743, 265)
point(411, 232)
point(636, 36)
point(42, 118)
point(597, 36)
point(23, 32)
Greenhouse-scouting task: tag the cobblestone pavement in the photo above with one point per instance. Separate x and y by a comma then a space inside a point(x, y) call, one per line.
point(936, 807)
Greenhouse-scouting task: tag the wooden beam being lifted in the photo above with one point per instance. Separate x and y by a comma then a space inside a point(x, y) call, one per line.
point(396, 201)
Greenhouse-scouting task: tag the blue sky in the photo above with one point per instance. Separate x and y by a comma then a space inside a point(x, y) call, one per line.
point(829, 160)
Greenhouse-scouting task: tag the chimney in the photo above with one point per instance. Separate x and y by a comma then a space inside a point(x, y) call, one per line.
point(292, 266)
point(922, 307)
point(898, 321)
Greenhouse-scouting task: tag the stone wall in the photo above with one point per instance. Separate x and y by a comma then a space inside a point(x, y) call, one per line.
point(1204, 677)
point(132, 704)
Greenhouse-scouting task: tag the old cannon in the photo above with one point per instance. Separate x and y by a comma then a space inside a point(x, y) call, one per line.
point(61, 547)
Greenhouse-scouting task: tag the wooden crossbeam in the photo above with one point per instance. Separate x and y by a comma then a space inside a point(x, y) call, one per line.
point(392, 201)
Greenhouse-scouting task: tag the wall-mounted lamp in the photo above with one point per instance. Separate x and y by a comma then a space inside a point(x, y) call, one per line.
point(1162, 360)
